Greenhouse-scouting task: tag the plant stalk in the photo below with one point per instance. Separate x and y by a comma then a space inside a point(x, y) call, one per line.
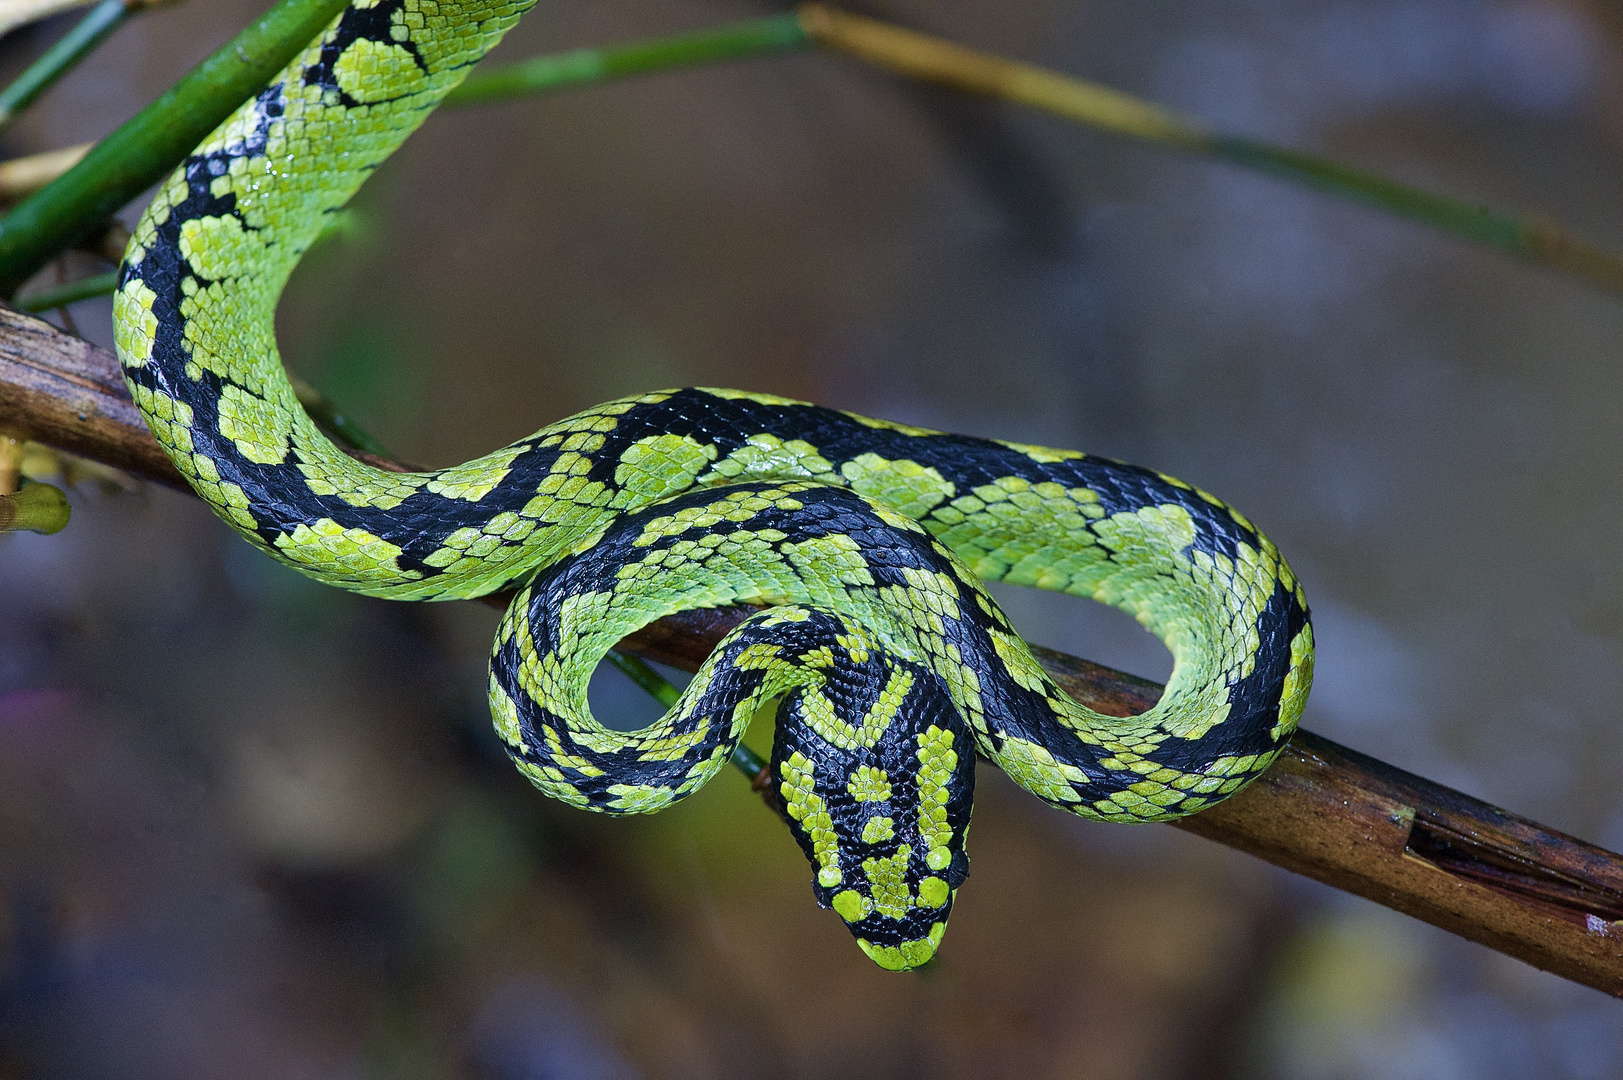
point(70, 293)
point(60, 58)
point(155, 140)
point(543, 74)
point(35, 507)
point(920, 56)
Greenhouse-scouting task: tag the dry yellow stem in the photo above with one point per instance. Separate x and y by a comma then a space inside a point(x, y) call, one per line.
point(21, 177)
point(15, 13)
point(920, 56)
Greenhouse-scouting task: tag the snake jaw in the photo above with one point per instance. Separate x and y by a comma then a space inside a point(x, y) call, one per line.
point(883, 821)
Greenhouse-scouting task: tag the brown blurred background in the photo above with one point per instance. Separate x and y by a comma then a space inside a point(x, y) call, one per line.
point(251, 827)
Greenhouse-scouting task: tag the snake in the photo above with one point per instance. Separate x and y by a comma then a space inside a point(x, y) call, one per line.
point(884, 664)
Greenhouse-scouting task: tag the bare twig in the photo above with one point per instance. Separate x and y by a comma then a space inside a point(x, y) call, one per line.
point(1323, 810)
point(65, 392)
point(920, 56)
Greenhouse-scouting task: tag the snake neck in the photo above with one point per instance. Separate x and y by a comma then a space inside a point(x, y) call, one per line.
point(194, 313)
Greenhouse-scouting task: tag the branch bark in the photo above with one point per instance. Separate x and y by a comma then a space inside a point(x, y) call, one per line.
point(1323, 810)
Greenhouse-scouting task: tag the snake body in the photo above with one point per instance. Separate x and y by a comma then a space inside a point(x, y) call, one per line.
point(864, 541)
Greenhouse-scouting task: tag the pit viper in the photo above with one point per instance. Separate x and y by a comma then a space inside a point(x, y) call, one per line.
point(864, 542)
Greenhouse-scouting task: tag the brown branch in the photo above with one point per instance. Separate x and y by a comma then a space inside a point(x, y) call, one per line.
point(1322, 810)
point(65, 392)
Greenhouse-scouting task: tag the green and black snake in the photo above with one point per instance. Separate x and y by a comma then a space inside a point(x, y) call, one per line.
point(863, 540)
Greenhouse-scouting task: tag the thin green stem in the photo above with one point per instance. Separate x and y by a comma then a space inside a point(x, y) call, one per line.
point(35, 507)
point(155, 140)
point(544, 74)
point(931, 59)
point(326, 413)
point(1472, 221)
point(748, 762)
point(60, 58)
point(640, 672)
point(1532, 238)
point(70, 293)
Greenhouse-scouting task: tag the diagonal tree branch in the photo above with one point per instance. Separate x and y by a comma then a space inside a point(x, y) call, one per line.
point(1323, 810)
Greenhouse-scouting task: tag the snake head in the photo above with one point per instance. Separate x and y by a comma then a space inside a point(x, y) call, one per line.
point(876, 772)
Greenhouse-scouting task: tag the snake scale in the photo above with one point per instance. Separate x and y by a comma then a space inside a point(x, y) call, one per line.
point(863, 541)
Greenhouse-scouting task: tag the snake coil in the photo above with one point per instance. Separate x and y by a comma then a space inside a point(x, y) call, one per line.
point(864, 541)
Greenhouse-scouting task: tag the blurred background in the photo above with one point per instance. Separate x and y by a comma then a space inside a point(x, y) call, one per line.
point(251, 827)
